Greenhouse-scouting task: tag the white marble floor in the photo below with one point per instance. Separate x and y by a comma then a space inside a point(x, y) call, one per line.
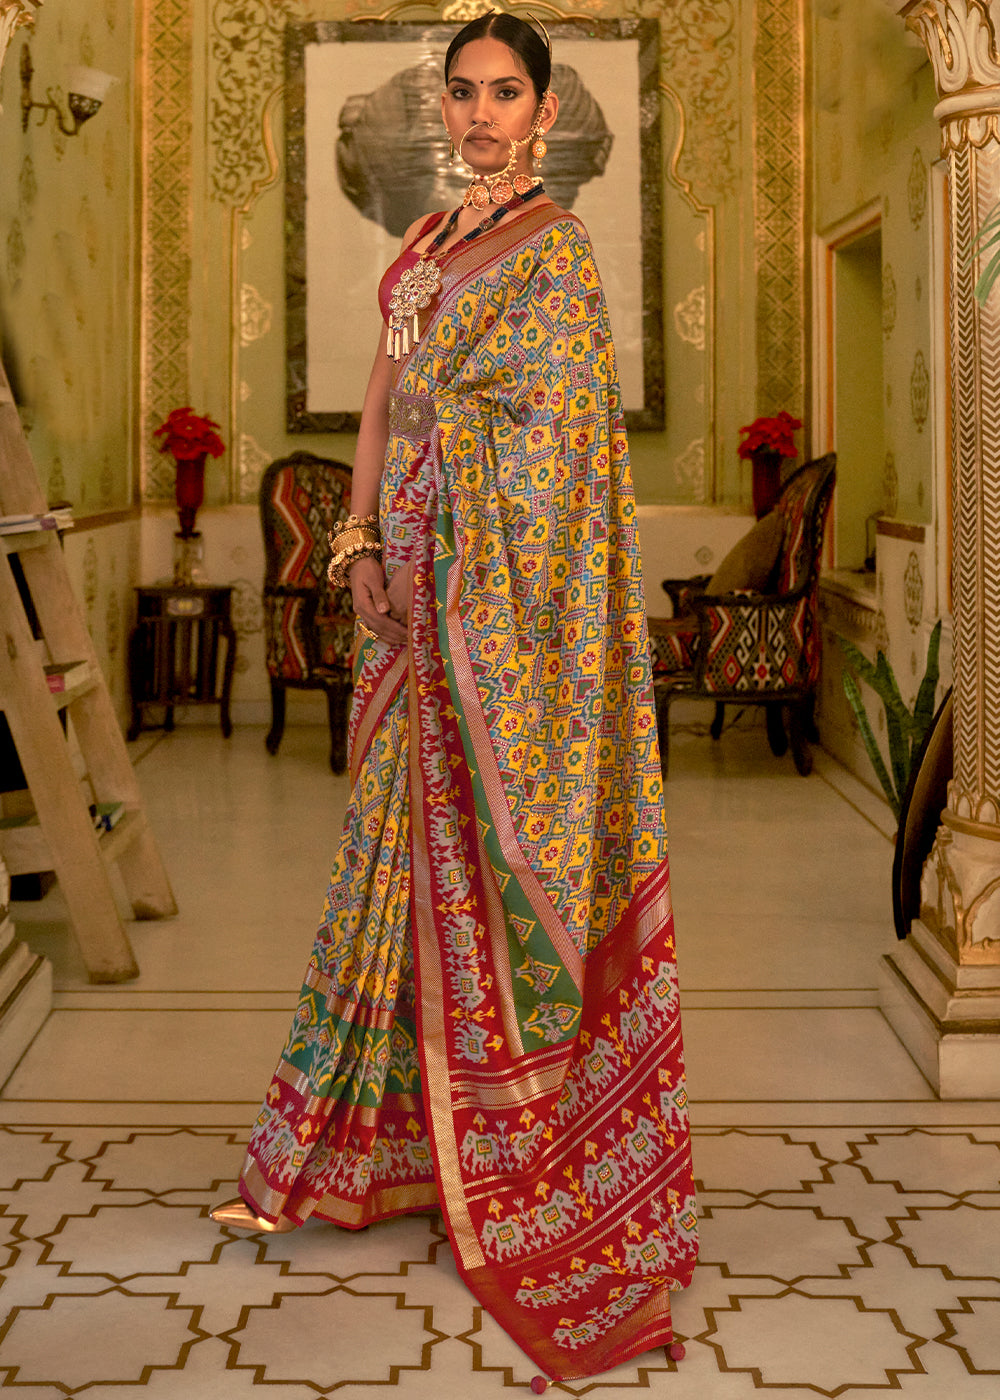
point(851, 1222)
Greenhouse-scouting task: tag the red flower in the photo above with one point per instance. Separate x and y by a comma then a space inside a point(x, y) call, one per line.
point(187, 435)
point(770, 435)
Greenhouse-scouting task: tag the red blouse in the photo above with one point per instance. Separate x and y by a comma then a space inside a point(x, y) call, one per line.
point(407, 258)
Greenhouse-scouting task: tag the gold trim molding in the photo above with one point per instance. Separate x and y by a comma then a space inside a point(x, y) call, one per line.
point(779, 205)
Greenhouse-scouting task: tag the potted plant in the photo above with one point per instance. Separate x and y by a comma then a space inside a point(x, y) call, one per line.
point(766, 442)
point(905, 729)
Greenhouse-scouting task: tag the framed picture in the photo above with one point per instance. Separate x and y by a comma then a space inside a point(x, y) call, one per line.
point(367, 154)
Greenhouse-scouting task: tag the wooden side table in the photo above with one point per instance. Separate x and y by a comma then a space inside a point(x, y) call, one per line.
point(175, 653)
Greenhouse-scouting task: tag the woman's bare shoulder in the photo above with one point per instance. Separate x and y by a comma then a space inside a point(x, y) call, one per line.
point(413, 232)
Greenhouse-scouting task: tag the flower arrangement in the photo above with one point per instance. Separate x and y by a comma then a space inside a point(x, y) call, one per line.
point(770, 435)
point(188, 435)
point(766, 441)
point(189, 438)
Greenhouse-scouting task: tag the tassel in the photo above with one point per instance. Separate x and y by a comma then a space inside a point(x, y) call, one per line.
point(406, 341)
point(416, 329)
point(388, 342)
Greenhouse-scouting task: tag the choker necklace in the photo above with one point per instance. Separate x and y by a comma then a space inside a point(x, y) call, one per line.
point(419, 284)
point(498, 189)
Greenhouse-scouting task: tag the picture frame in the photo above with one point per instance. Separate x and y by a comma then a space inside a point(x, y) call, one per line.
point(367, 153)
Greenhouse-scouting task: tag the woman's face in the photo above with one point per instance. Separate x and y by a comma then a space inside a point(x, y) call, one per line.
point(488, 83)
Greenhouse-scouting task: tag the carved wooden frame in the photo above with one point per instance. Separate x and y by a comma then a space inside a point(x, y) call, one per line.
point(300, 418)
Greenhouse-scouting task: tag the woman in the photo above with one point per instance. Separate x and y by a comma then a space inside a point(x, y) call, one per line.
point(489, 1021)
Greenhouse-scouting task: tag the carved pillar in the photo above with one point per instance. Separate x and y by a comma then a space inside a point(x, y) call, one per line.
point(942, 988)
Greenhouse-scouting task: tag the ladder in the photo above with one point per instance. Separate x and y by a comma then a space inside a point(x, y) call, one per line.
point(60, 835)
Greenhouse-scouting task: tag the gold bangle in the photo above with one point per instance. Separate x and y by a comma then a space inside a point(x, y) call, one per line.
point(336, 570)
point(351, 537)
point(352, 522)
point(365, 629)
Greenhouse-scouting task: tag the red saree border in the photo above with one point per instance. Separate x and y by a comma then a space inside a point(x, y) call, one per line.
point(379, 1204)
point(651, 908)
point(648, 1326)
point(374, 710)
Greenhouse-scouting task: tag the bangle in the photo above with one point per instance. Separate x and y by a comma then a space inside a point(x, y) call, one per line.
point(350, 554)
point(353, 522)
point(352, 537)
point(350, 540)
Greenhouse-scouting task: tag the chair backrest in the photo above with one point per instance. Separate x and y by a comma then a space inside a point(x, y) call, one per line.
point(300, 498)
point(804, 502)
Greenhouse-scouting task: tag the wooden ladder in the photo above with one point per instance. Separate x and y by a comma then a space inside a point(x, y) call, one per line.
point(61, 835)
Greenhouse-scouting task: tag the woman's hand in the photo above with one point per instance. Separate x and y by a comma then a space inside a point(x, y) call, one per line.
point(397, 590)
point(377, 608)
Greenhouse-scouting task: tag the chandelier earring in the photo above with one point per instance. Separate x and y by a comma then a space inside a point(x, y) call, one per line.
point(538, 148)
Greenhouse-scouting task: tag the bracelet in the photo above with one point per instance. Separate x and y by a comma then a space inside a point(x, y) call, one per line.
point(357, 536)
point(351, 523)
point(341, 562)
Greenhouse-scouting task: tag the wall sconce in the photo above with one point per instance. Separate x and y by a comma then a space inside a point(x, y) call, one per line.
point(88, 88)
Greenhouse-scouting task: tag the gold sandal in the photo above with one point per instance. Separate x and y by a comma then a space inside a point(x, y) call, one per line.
point(238, 1216)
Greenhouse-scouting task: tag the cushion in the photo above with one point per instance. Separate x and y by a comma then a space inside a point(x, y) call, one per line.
point(751, 561)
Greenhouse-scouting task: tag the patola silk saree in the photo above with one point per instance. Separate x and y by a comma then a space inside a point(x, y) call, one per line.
point(489, 1022)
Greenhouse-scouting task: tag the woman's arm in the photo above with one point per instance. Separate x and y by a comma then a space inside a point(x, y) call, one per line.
point(365, 578)
point(381, 606)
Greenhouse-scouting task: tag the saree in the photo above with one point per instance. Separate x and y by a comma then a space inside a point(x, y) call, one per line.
point(489, 1022)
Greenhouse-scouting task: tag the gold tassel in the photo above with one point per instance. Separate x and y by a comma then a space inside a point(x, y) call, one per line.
point(406, 341)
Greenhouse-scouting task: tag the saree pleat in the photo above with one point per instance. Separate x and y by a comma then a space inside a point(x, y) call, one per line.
point(491, 1015)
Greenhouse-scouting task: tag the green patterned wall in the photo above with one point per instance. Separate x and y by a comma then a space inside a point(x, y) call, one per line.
point(875, 140)
point(68, 321)
point(225, 148)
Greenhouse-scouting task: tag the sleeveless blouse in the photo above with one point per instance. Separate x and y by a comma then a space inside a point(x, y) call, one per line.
point(407, 258)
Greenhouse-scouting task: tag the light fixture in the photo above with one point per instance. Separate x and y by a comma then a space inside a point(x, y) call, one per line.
point(88, 88)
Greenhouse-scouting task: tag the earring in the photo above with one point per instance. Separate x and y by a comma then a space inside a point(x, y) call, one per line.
point(451, 152)
point(538, 146)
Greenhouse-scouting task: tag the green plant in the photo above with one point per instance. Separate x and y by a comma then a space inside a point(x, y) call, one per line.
point(987, 243)
point(905, 729)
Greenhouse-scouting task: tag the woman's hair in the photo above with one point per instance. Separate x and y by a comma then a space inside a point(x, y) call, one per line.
point(522, 40)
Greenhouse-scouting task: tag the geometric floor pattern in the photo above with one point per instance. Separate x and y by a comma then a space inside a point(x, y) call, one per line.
point(831, 1264)
point(850, 1222)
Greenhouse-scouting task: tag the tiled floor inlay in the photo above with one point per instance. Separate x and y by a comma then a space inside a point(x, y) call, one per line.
point(850, 1221)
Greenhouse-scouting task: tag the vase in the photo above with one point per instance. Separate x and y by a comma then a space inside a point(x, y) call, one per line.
point(189, 490)
point(189, 558)
point(766, 478)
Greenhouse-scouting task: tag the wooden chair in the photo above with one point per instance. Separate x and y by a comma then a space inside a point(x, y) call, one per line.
point(753, 648)
point(308, 626)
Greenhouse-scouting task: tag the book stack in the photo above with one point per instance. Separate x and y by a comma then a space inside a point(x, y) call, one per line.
point(58, 518)
point(63, 675)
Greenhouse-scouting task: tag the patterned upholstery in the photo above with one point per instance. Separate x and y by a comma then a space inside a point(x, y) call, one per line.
point(308, 627)
point(750, 647)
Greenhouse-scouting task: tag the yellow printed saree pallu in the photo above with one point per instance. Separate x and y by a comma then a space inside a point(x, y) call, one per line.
point(540, 998)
